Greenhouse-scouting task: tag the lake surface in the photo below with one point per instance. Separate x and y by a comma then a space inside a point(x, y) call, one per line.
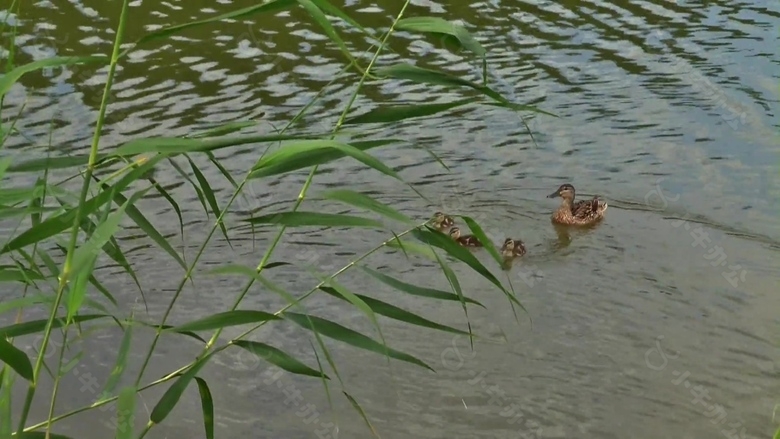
point(677, 98)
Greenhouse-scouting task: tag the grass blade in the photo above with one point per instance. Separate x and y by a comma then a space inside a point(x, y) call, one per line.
point(207, 407)
point(34, 326)
point(404, 112)
point(172, 146)
point(437, 25)
point(209, 194)
point(9, 79)
point(224, 319)
point(362, 200)
point(121, 362)
point(278, 358)
point(16, 359)
point(360, 411)
point(482, 237)
point(338, 332)
point(305, 154)
point(173, 394)
point(394, 312)
point(304, 218)
point(322, 20)
point(416, 290)
point(125, 412)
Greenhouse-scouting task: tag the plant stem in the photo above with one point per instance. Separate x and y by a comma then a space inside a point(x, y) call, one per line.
point(63, 281)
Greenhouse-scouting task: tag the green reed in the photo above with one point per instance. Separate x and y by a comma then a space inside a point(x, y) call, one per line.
point(91, 218)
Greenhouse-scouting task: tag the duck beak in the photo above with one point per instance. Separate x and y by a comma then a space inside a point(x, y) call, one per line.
point(554, 194)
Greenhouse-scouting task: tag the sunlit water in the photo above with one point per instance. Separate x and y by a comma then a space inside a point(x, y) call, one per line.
point(654, 97)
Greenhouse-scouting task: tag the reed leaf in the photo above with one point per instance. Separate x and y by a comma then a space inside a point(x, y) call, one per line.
point(39, 435)
point(330, 31)
point(440, 26)
point(223, 320)
point(482, 237)
point(364, 201)
point(206, 406)
point(120, 364)
point(18, 274)
point(51, 163)
point(125, 411)
point(16, 359)
point(417, 290)
point(23, 302)
point(278, 358)
point(171, 397)
point(10, 78)
point(209, 194)
point(304, 218)
point(388, 310)
point(341, 333)
point(397, 113)
point(173, 146)
point(34, 326)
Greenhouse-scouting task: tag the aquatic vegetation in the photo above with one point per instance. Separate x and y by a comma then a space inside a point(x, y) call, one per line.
point(54, 256)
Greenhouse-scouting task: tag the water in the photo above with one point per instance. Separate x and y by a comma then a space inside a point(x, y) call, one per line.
point(647, 93)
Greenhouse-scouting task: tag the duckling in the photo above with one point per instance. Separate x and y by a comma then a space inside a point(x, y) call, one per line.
point(580, 213)
point(441, 221)
point(512, 248)
point(466, 241)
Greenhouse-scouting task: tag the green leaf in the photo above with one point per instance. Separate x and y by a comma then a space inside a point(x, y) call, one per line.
point(415, 290)
point(402, 112)
point(102, 234)
point(12, 196)
point(16, 358)
point(14, 274)
point(278, 358)
point(292, 157)
point(482, 237)
point(51, 163)
point(22, 302)
point(173, 394)
point(34, 326)
point(437, 25)
point(253, 274)
point(268, 6)
point(225, 319)
point(209, 193)
point(140, 220)
point(326, 26)
point(58, 223)
point(394, 312)
point(228, 128)
point(360, 411)
point(125, 411)
point(9, 79)
point(39, 435)
point(362, 200)
point(427, 76)
point(182, 145)
point(121, 363)
point(303, 218)
point(338, 332)
point(207, 407)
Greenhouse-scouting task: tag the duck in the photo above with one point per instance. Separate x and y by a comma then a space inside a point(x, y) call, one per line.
point(512, 248)
point(442, 221)
point(466, 241)
point(580, 213)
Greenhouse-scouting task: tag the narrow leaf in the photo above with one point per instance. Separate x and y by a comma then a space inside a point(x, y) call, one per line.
point(16, 358)
point(173, 394)
point(482, 237)
point(303, 218)
point(338, 332)
point(404, 112)
point(125, 412)
point(278, 358)
point(437, 25)
point(225, 319)
point(121, 362)
point(209, 193)
point(10, 78)
point(182, 145)
point(364, 201)
point(416, 290)
point(34, 326)
point(207, 407)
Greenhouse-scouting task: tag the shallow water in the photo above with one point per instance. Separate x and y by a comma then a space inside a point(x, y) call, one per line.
point(646, 92)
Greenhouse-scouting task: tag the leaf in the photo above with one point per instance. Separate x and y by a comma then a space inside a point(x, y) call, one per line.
point(253, 274)
point(402, 112)
point(362, 200)
point(414, 247)
point(39, 435)
point(427, 76)
point(125, 411)
point(51, 163)
point(14, 274)
point(209, 193)
point(278, 358)
point(322, 20)
point(21, 302)
point(360, 411)
point(394, 312)
point(207, 407)
point(225, 319)
point(173, 394)
point(303, 218)
point(172, 146)
point(121, 362)
point(437, 25)
point(415, 290)
point(268, 6)
point(102, 234)
point(292, 157)
point(228, 128)
point(34, 326)
point(349, 336)
point(58, 223)
point(16, 358)
point(482, 237)
point(164, 327)
point(9, 79)
point(140, 220)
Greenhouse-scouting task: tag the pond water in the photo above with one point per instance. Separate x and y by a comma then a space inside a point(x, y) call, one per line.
point(676, 98)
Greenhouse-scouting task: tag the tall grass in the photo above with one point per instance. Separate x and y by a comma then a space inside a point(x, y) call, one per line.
point(65, 283)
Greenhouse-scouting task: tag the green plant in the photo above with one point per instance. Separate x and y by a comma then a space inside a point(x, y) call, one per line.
point(89, 223)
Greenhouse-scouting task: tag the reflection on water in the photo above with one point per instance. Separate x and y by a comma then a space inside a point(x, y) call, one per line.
point(667, 110)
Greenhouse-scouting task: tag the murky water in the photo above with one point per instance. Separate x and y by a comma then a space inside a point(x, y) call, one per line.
point(654, 97)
